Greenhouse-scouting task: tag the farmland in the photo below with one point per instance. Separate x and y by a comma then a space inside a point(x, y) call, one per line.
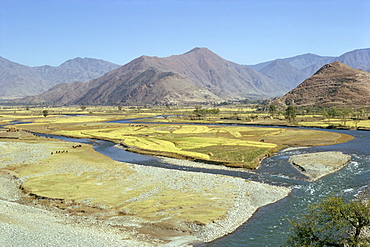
point(234, 146)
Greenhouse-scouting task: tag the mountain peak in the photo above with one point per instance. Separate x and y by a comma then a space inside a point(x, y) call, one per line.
point(333, 67)
point(79, 60)
point(334, 84)
point(200, 50)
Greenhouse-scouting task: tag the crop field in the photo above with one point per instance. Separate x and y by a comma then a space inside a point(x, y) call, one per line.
point(229, 145)
point(234, 146)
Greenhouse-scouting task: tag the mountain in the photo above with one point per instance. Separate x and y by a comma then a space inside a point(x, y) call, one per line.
point(18, 80)
point(301, 67)
point(282, 71)
point(77, 69)
point(307, 64)
point(357, 59)
point(335, 84)
point(299, 62)
point(196, 76)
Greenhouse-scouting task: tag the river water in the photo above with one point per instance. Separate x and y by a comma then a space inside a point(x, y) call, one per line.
point(269, 225)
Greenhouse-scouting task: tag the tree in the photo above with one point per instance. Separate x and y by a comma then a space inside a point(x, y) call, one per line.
point(333, 222)
point(45, 113)
point(198, 112)
point(83, 107)
point(357, 117)
point(272, 110)
point(119, 107)
point(333, 112)
point(290, 114)
point(344, 115)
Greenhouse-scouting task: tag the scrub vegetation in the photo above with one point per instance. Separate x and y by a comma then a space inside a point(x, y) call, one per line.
point(333, 222)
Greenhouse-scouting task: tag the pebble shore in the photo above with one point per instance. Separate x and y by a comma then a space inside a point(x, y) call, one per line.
point(23, 224)
point(318, 165)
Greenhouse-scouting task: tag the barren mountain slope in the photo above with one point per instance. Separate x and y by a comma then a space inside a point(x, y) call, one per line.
point(307, 64)
point(18, 80)
point(149, 86)
point(335, 84)
point(77, 69)
point(196, 76)
point(282, 71)
point(223, 78)
point(357, 59)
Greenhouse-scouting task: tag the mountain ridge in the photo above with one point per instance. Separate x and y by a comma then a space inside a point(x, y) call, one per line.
point(307, 64)
point(199, 69)
point(334, 84)
point(18, 80)
point(200, 74)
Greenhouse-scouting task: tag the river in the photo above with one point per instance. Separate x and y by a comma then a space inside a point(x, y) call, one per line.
point(269, 225)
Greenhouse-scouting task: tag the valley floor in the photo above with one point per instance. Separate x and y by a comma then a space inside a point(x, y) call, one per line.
point(82, 198)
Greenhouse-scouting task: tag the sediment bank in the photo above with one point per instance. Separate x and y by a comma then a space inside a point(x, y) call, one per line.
point(147, 206)
point(318, 165)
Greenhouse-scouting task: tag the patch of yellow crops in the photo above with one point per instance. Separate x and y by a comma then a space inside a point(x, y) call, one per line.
point(193, 129)
point(235, 133)
point(159, 145)
point(361, 123)
point(197, 142)
point(244, 109)
point(64, 119)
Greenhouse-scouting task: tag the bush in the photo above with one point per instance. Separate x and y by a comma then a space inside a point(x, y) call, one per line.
point(333, 222)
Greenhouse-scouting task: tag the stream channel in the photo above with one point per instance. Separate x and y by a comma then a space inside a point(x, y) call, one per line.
point(269, 225)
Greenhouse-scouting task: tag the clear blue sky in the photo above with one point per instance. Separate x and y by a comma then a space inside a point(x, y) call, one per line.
point(49, 32)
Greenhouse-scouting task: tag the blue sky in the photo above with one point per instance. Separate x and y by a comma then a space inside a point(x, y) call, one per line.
point(49, 32)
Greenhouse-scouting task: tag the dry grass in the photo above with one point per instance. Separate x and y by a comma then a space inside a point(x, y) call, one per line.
point(197, 142)
point(229, 145)
point(85, 182)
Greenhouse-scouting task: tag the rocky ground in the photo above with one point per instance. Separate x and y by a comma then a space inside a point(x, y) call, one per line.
point(317, 165)
point(25, 222)
point(22, 224)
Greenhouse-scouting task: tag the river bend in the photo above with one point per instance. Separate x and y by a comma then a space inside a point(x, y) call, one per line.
point(269, 225)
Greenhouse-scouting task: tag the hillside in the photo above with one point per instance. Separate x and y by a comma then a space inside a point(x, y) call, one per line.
point(18, 80)
point(303, 66)
point(282, 71)
point(357, 59)
point(335, 84)
point(196, 76)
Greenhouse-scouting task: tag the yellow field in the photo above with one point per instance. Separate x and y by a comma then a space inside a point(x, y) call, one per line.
point(230, 145)
point(85, 182)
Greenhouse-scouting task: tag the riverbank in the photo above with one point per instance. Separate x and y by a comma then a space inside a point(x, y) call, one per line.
point(25, 224)
point(147, 206)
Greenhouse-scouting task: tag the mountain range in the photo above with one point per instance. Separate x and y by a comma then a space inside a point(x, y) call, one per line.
point(196, 76)
point(18, 80)
point(335, 84)
point(294, 70)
